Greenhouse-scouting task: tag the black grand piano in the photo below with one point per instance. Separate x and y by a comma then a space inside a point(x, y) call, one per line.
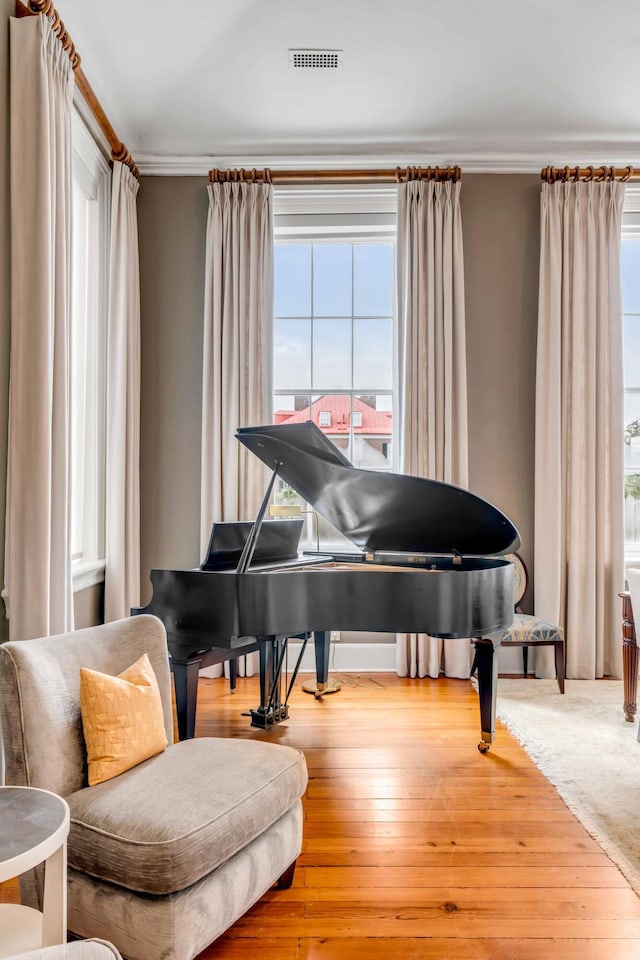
point(427, 558)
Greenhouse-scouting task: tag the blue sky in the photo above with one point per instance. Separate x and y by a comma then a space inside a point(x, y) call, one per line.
point(332, 283)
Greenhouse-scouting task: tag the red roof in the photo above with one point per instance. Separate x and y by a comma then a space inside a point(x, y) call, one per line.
point(338, 406)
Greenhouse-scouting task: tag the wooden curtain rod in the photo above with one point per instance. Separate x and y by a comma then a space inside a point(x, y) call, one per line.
point(398, 175)
point(566, 174)
point(118, 150)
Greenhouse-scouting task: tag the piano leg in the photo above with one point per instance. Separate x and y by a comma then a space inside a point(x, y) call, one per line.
point(185, 679)
point(486, 660)
point(322, 685)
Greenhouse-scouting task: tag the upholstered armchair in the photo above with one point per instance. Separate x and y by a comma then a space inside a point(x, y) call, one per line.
point(166, 856)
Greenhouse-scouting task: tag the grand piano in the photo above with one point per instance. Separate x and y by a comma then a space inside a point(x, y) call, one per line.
point(427, 557)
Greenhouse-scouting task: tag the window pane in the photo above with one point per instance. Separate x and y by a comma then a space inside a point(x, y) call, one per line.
point(291, 354)
point(373, 279)
point(632, 351)
point(292, 266)
point(631, 276)
point(79, 298)
point(373, 354)
point(371, 448)
point(332, 354)
point(291, 406)
point(332, 280)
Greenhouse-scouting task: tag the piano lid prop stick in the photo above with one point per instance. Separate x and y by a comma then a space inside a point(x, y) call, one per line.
point(249, 548)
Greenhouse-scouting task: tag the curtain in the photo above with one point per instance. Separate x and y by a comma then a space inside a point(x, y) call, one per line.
point(38, 522)
point(237, 362)
point(432, 373)
point(579, 526)
point(122, 574)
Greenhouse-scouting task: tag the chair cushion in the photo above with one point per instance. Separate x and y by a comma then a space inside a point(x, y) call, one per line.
point(526, 629)
point(173, 819)
point(122, 719)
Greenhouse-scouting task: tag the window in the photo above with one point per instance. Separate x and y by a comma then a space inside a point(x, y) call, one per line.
point(334, 339)
point(91, 177)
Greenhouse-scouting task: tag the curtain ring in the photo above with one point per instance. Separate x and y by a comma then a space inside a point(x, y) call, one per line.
point(267, 175)
point(628, 173)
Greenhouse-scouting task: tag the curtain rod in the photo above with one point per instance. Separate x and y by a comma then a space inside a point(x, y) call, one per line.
point(398, 175)
point(35, 7)
point(564, 174)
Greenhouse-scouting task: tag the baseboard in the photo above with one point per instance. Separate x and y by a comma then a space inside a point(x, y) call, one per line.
point(367, 658)
point(349, 657)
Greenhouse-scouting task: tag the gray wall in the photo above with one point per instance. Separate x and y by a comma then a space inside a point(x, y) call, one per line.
point(172, 218)
point(501, 236)
point(500, 222)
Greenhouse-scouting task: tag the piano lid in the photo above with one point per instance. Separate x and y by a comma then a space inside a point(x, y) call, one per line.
point(380, 511)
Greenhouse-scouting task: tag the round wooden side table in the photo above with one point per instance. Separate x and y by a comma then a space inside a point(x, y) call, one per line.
point(34, 825)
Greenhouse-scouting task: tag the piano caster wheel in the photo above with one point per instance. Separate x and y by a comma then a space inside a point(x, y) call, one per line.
point(483, 747)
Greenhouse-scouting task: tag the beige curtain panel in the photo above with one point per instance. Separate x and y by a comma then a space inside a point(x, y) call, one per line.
point(237, 353)
point(38, 523)
point(122, 573)
point(432, 373)
point(579, 526)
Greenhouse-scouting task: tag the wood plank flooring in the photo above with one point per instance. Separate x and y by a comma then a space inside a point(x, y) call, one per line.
point(417, 846)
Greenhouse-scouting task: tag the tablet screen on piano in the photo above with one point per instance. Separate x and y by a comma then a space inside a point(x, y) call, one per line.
point(277, 540)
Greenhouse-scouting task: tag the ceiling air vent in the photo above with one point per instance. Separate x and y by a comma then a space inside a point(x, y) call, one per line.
point(315, 59)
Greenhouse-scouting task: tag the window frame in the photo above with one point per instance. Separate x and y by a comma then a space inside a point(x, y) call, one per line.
point(344, 213)
point(91, 172)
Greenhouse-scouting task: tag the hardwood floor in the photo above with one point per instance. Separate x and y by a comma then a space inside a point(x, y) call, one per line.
point(416, 845)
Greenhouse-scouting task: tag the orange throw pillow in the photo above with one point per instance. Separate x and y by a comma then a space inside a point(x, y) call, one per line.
point(122, 719)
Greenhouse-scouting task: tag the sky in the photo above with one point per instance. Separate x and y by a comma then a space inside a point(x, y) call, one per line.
point(334, 316)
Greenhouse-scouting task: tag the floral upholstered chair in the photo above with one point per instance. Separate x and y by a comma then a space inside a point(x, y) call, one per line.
point(530, 631)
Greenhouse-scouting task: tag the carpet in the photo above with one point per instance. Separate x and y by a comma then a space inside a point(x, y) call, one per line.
point(588, 751)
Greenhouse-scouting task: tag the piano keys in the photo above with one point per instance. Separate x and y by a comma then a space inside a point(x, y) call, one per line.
point(428, 557)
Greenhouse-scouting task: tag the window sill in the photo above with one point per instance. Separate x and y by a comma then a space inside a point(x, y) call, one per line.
point(87, 573)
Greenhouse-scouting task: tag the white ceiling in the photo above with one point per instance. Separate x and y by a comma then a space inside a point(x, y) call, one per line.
point(490, 82)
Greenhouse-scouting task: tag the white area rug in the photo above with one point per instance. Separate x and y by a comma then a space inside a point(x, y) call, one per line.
point(588, 751)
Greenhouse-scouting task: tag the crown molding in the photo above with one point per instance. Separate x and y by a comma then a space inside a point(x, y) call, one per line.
point(619, 154)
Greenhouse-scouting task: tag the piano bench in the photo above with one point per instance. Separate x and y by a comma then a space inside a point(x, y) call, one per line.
point(529, 631)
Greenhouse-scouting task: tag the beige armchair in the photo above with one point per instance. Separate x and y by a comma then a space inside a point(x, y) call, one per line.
point(166, 856)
